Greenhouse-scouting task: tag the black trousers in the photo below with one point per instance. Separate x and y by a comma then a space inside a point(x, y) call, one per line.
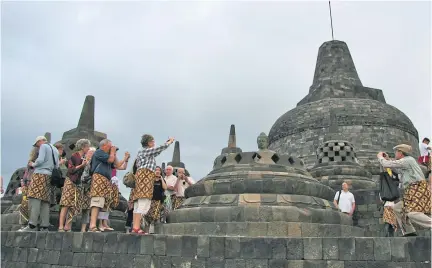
point(129, 218)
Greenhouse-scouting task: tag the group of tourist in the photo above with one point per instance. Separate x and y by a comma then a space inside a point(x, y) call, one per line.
point(91, 189)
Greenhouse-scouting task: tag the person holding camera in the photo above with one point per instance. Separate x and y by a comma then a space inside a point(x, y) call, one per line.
point(70, 198)
point(416, 202)
point(183, 182)
point(100, 170)
point(146, 167)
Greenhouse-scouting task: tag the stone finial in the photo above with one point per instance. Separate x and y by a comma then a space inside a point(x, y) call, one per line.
point(335, 66)
point(176, 163)
point(232, 143)
point(176, 153)
point(87, 118)
point(48, 136)
point(232, 138)
point(263, 141)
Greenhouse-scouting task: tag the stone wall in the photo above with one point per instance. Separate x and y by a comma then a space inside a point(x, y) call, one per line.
point(53, 249)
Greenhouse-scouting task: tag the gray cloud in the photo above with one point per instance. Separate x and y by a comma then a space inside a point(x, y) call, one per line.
point(190, 69)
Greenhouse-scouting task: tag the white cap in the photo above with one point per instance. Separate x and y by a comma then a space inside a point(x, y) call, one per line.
point(39, 138)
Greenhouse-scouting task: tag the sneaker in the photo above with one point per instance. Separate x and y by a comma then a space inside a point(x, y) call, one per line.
point(27, 229)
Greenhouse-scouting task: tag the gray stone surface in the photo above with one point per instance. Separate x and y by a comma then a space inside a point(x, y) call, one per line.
point(216, 251)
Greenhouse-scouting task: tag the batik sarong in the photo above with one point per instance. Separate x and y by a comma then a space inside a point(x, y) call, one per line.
point(154, 212)
point(390, 217)
point(39, 187)
point(113, 198)
point(176, 201)
point(417, 198)
point(99, 186)
point(143, 184)
point(24, 206)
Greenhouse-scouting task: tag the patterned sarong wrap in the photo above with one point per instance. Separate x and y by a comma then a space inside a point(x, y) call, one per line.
point(417, 198)
point(24, 206)
point(100, 186)
point(71, 198)
point(85, 196)
point(177, 201)
point(143, 184)
point(40, 187)
point(390, 217)
point(154, 212)
point(113, 198)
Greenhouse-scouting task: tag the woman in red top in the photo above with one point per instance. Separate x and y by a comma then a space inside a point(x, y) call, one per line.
point(70, 201)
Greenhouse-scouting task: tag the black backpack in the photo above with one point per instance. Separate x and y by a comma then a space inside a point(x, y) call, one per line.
point(57, 178)
point(389, 190)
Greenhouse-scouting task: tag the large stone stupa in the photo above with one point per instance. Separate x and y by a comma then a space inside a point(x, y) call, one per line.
point(259, 193)
point(361, 113)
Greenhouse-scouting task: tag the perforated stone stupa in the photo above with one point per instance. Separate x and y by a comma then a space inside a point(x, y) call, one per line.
point(361, 113)
point(259, 193)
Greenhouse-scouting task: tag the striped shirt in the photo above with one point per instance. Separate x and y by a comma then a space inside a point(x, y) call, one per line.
point(146, 156)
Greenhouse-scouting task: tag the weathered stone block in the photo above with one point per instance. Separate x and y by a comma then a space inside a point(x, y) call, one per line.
point(312, 248)
point(173, 246)
point(257, 229)
point(295, 264)
point(87, 242)
point(346, 249)
point(217, 246)
point(54, 240)
point(277, 229)
point(398, 252)
point(364, 249)
point(159, 246)
point(20, 255)
point(162, 261)
point(32, 255)
point(294, 229)
point(189, 246)
point(330, 248)
point(98, 243)
point(235, 263)
point(48, 256)
point(134, 244)
point(77, 242)
point(40, 240)
point(67, 243)
point(335, 264)
point(232, 247)
point(123, 243)
point(111, 260)
point(419, 249)
point(111, 244)
point(278, 248)
point(256, 263)
point(382, 249)
point(66, 258)
point(215, 262)
point(146, 244)
point(203, 246)
point(295, 249)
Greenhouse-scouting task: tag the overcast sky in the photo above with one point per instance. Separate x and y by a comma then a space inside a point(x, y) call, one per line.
point(190, 69)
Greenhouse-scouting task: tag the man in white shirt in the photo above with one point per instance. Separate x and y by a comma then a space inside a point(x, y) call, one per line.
point(170, 180)
point(344, 200)
point(424, 152)
point(183, 182)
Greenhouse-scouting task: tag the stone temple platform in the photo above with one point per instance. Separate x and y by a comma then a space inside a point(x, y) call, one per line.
point(64, 250)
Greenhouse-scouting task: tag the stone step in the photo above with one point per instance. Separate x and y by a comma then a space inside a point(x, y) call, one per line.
point(260, 229)
point(123, 250)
